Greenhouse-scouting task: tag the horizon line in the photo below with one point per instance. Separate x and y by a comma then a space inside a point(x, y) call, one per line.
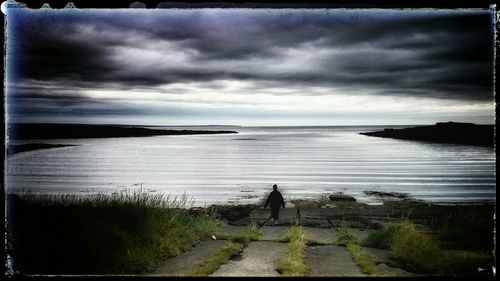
point(232, 125)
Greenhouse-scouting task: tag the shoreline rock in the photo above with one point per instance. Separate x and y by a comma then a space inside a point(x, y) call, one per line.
point(226, 212)
point(443, 132)
point(382, 194)
point(341, 197)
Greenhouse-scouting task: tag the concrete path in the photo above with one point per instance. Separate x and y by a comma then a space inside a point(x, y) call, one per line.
point(258, 259)
point(321, 235)
point(273, 233)
point(269, 233)
point(331, 261)
point(189, 260)
point(232, 229)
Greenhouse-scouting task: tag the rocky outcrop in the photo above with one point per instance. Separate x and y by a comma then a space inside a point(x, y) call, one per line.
point(446, 132)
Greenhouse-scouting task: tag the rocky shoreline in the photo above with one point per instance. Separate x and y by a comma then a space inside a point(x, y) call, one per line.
point(79, 131)
point(445, 132)
point(394, 205)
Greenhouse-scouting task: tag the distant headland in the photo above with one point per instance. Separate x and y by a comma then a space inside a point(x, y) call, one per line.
point(79, 131)
point(443, 132)
point(18, 148)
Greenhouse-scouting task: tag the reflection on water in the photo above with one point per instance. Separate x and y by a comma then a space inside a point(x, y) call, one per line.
point(241, 168)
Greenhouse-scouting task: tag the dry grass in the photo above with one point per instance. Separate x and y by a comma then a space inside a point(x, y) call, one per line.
point(293, 263)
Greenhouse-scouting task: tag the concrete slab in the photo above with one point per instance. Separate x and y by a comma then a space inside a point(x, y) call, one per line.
point(379, 255)
point(321, 235)
point(331, 261)
point(273, 233)
point(360, 233)
point(259, 259)
point(186, 261)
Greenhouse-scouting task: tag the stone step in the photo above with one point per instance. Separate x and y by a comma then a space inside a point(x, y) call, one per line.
point(331, 261)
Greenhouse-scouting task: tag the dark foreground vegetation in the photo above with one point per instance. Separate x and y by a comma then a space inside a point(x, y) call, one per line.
point(449, 132)
point(18, 148)
point(428, 253)
point(456, 240)
point(78, 131)
point(128, 233)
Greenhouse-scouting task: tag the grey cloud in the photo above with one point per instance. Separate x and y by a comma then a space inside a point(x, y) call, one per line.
point(444, 55)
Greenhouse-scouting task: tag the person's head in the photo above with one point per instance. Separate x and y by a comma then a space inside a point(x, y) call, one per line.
point(275, 187)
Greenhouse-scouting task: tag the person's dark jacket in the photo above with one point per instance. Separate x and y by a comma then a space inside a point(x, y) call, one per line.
point(275, 199)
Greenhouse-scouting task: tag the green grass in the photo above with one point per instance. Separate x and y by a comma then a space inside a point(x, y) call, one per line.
point(121, 233)
point(345, 237)
point(364, 261)
point(293, 263)
point(383, 238)
point(222, 256)
point(252, 234)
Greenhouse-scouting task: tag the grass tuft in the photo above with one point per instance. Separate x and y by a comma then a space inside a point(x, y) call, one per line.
point(244, 237)
point(383, 238)
point(416, 248)
point(345, 237)
point(293, 263)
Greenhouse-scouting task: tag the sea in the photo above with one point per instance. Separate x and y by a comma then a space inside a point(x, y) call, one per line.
point(305, 163)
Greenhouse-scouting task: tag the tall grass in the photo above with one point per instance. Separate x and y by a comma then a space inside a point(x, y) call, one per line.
point(122, 233)
point(293, 263)
point(383, 238)
point(419, 249)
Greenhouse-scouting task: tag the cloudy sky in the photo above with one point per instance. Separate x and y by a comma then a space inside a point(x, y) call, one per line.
point(250, 66)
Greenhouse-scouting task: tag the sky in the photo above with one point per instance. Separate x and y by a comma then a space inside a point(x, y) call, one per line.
point(250, 67)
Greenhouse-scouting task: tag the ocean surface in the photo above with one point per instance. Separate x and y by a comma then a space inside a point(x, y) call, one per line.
point(305, 162)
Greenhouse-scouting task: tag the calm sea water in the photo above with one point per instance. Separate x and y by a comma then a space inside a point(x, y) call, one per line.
point(305, 162)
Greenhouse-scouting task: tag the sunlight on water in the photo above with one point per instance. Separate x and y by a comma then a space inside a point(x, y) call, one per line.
point(241, 168)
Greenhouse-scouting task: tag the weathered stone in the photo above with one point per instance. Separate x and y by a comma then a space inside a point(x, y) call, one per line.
point(341, 197)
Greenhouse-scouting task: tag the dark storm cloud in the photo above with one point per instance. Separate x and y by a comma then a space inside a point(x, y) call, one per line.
point(439, 54)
